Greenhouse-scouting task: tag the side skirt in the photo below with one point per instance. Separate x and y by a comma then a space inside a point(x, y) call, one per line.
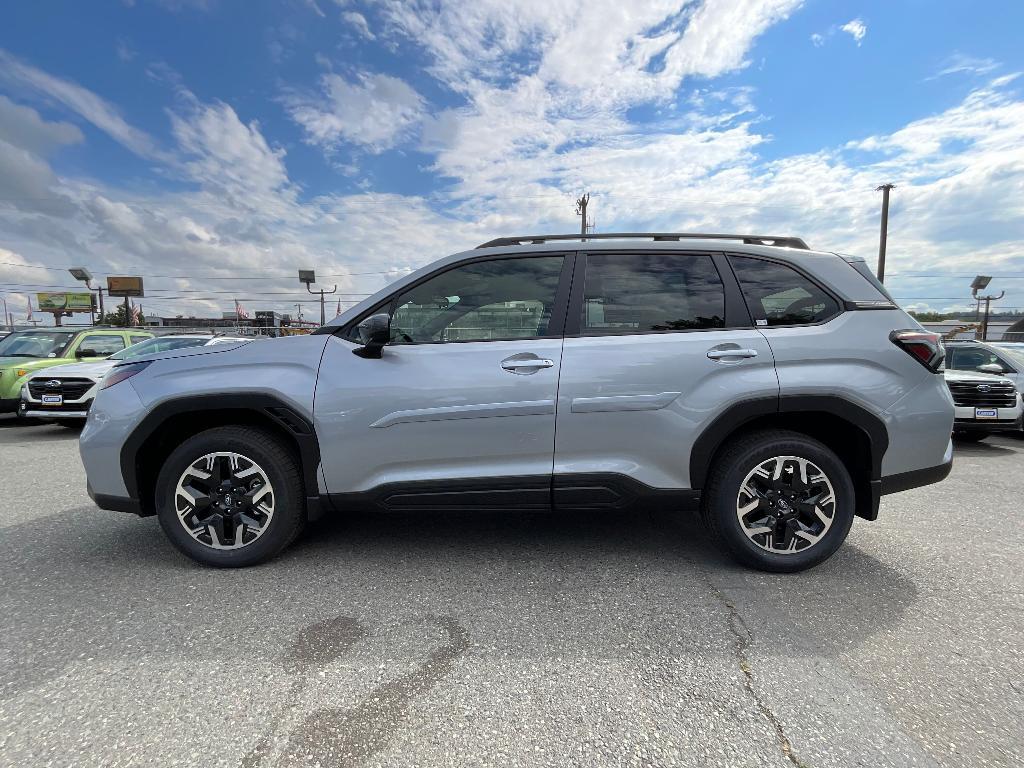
point(530, 493)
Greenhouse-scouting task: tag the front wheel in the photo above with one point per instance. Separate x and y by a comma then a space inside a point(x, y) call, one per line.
point(231, 497)
point(779, 501)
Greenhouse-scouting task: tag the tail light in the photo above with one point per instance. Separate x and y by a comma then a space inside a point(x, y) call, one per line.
point(923, 346)
point(120, 373)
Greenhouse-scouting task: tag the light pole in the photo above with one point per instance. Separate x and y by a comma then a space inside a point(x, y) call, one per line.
point(7, 317)
point(980, 283)
point(308, 277)
point(83, 274)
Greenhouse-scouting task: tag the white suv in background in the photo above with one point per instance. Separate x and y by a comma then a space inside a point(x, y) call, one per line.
point(65, 392)
point(996, 361)
point(985, 403)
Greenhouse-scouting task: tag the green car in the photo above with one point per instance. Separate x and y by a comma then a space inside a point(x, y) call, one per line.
point(25, 352)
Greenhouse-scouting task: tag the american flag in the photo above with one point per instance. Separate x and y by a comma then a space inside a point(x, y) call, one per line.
point(135, 313)
point(240, 312)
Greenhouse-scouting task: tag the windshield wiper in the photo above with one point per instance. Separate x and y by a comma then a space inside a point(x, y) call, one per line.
point(17, 354)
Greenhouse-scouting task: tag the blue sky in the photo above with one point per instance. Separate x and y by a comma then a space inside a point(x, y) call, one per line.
point(217, 146)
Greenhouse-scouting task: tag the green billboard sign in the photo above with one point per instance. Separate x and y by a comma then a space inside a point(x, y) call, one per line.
point(64, 302)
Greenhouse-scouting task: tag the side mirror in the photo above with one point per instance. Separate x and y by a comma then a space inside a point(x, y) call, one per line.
point(86, 352)
point(991, 368)
point(374, 332)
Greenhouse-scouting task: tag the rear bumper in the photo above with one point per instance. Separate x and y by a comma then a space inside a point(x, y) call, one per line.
point(916, 478)
point(114, 503)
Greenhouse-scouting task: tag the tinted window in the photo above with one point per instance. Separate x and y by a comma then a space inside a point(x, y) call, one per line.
point(485, 300)
point(101, 346)
point(636, 294)
point(151, 346)
point(779, 295)
point(138, 339)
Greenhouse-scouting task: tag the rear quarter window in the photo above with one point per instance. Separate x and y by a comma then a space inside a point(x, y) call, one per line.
point(777, 294)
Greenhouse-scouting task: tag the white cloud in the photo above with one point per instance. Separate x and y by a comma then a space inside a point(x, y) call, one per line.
point(124, 50)
point(79, 100)
point(856, 28)
point(373, 111)
point(959, 63)
point(358, 21)
point(613, 52)
point(517, 149)
point(23, 127)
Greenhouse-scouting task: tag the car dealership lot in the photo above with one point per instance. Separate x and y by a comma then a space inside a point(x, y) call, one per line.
point(485, 639)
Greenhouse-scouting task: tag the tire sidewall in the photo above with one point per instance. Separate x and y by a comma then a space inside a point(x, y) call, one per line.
point(288, 502)
point(724, 504)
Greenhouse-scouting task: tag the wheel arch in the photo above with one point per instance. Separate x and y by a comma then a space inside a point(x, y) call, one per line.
point(174, 421)
point(858, 437)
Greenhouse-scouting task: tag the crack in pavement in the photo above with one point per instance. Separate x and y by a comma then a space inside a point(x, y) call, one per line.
point(741, 632)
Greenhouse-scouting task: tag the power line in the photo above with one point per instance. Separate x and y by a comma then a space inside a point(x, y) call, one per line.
point(280, 275)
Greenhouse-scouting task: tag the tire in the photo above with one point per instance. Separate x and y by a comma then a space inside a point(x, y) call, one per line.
point(802, 527)
point(969, 437)
point(272, 500)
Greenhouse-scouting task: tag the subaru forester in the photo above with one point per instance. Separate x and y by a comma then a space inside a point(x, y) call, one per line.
point(777, 390)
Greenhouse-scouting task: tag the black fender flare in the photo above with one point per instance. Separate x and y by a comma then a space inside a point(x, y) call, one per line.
point(270, 406)
point(746, 411)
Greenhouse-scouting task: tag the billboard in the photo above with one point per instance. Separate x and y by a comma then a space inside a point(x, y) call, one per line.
point(125, 286)
point(64, 302)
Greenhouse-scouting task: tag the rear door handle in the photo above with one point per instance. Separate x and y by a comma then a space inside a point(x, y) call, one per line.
point(524, 365)
point(719, 354)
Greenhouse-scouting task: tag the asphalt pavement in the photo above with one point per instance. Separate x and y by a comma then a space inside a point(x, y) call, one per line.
point(509, 639)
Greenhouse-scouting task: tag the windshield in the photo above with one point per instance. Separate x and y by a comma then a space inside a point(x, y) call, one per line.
point(1016, 354)
point(35, 343)
point(151, 346)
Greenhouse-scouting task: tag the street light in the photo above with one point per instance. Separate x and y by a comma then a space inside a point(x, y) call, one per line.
point(308, 277)
point(980, 283)
point(85, 276)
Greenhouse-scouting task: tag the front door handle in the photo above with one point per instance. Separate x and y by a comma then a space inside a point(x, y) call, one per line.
point(526, 365)
point(721, 354)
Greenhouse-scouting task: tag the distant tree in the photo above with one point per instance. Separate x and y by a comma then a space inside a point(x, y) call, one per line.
point(117, 318)
point(928, 317)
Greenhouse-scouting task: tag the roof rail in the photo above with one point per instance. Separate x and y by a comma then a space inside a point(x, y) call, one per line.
point(782, 242)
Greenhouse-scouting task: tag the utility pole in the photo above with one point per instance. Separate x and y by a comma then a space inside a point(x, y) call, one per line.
point(883, 236)
point(581, 211)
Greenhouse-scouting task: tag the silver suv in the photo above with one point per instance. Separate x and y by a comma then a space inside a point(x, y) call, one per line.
point(778, 390)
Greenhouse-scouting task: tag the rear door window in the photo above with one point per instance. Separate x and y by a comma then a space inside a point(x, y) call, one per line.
point(779, 295)
point(647, 293)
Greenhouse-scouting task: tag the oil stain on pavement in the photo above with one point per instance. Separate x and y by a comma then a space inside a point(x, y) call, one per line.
point(341, 736)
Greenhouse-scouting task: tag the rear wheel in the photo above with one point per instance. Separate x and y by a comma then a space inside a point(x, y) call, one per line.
point(231, 497)
point(779, 501)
